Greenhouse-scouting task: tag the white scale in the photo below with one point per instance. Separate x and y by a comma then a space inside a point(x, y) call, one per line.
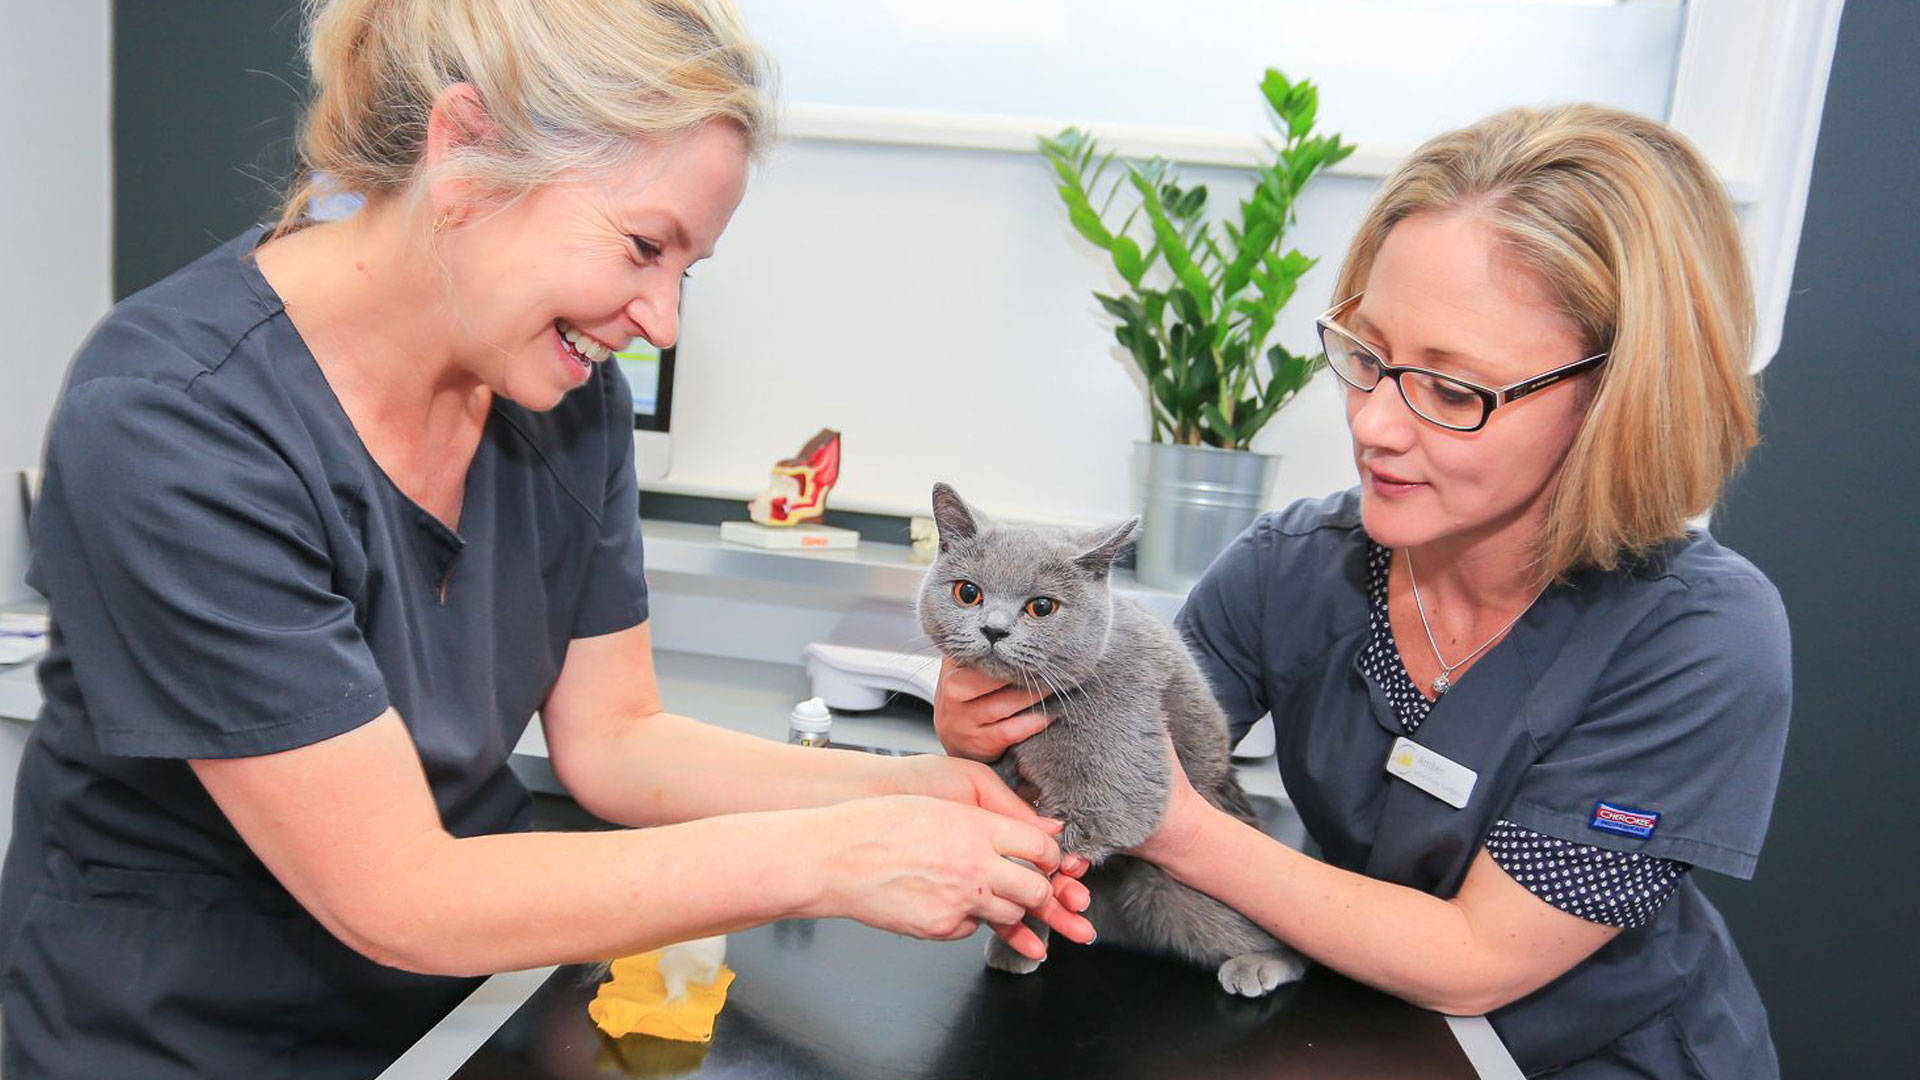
point(857, 679)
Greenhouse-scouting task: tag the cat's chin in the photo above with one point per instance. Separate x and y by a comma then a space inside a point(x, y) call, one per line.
point(991, 663)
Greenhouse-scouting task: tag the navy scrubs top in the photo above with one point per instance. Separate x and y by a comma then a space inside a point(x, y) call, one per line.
point(1659, 689)
point(230, 574)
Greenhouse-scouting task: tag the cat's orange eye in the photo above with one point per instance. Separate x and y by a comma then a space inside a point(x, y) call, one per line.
point(1042, 606)
point(967, 593)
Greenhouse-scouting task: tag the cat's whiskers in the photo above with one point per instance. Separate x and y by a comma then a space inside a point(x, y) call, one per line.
point(1020, 671)
point(1027, 684)
point(1060, 694)
point(931, 654)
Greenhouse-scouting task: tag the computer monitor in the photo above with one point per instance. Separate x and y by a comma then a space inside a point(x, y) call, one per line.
point(649, 372)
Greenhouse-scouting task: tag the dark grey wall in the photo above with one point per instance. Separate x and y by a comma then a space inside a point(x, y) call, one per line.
point(205, 99)
point(1830, 509)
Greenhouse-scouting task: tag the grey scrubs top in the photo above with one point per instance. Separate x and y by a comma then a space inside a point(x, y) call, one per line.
point(230, 574)
point(1643, 710)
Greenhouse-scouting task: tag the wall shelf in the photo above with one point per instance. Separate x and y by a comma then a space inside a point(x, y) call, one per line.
point(873, 569)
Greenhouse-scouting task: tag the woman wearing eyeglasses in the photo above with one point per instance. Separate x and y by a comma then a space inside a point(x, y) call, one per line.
point(1517, 697)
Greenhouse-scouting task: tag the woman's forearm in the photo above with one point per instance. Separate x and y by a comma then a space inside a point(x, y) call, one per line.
point(1406, 942)
point(636, 773)
point(506, 902)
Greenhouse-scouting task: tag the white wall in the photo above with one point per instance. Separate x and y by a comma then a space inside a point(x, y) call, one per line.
point(934, 305)
point(55, 218)
point(931, 302)
point(908, 276)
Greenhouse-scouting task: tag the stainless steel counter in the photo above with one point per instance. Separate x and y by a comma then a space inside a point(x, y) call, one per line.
point(755, 697)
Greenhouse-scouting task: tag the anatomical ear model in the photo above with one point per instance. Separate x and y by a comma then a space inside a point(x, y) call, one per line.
point(797, 489)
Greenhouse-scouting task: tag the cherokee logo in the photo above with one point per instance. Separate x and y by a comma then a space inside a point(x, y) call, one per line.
point(1623, 820)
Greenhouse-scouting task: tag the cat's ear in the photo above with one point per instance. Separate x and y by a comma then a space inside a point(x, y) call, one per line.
point(1107, 546)
point(952, 517)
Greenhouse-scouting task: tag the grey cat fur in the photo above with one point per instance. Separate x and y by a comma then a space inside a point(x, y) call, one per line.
point(1119, 682)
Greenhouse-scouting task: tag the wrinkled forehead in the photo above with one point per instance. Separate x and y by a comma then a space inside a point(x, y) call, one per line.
point(1016, 561)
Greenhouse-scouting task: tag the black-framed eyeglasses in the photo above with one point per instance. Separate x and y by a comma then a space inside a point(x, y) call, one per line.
point(1445, 400)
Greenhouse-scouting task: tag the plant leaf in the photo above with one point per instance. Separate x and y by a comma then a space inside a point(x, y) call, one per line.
point(1127, 259)
point(1202, 365)
point(1174, 247)
point(1123, 308)
point(1302, 106)
point(1142, 345)
point(1153, 302)
point(1260, 236)
point(1086, 222)
point(1220, 426)
point(1167, 396)
point(1275, 88)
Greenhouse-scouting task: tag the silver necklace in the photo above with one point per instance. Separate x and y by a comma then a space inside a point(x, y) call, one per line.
point(1444, 681)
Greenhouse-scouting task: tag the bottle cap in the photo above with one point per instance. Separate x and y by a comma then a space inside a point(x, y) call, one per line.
point(812, 715)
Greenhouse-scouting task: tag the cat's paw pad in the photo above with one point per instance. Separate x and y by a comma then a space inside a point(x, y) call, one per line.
point(1257, 974)
point(1001, 957)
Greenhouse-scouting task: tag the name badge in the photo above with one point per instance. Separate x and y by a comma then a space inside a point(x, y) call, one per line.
point(1431, 772)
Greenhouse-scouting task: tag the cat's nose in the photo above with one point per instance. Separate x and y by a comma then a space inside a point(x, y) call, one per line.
point(993, 634)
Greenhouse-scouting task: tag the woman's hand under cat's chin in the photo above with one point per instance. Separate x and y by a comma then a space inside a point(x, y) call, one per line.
point(978, 716)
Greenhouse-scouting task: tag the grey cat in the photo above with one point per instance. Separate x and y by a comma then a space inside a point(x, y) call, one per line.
point(1034, 607)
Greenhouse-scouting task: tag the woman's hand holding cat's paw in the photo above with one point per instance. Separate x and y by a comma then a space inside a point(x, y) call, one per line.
point(972, 783)
point(1061, 914)
point(977, 716)
point(934, 868)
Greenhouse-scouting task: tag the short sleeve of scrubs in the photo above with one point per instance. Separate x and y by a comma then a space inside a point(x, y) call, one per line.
point(1678, 751)
point(616, 582)
point(1221, 623)
point(212, 628)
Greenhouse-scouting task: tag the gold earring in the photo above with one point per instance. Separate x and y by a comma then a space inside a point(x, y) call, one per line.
point(440, 224)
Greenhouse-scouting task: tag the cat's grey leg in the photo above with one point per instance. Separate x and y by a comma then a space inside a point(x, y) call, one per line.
point(1257, 974)
point(1161, 915)
point(1109, 785)
point(1007, 768)
point(1002, 957)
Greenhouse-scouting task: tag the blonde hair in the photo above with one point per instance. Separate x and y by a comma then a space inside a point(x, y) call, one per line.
point(1624, 223)
point(566, 84)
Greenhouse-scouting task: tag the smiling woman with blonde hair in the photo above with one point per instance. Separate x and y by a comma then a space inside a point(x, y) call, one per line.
point(1516, 697)
point(330, 513)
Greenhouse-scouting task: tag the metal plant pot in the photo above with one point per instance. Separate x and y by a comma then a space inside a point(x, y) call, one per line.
point(1196, 500)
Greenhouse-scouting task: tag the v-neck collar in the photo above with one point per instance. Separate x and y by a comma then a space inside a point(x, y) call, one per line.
point(1489, 684)
point(442, 543)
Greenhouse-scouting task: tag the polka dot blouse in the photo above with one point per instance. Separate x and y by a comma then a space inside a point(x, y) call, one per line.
point(1615, 888)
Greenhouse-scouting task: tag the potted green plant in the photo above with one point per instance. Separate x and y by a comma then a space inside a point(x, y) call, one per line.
point(1199, 307)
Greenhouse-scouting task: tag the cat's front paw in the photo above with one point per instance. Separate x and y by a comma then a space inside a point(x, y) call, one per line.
point(1001, 957)
point(1257, 974)
point(1077, 839)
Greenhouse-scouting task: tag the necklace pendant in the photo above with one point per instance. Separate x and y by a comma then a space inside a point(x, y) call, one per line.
point(1442, 684)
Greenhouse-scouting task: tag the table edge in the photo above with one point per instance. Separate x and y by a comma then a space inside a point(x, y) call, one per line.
point(454, 1039)
point(449, 1043)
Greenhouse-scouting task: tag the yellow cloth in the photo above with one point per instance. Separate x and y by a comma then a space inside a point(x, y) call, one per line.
point(634, 1001)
